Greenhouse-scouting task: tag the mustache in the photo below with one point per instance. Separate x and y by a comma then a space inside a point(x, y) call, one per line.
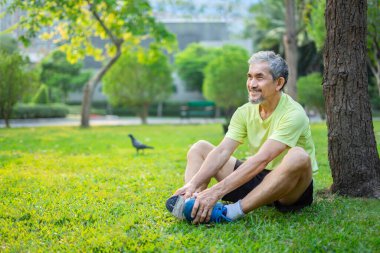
point(255, 90)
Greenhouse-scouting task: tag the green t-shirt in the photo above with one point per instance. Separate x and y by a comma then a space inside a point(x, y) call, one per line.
point(288, 124)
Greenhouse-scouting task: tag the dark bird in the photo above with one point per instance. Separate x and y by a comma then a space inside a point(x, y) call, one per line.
point(138, 145)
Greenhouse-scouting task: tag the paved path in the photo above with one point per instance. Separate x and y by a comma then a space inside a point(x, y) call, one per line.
point(107, 121)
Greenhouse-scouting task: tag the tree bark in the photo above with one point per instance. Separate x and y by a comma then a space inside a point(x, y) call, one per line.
point(352, 152)
point(290, 45)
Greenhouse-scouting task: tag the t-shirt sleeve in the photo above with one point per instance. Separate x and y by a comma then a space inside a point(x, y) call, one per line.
point(237, 130)
point(290, 128)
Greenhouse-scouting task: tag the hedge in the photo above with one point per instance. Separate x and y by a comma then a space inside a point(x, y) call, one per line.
point(32, 111)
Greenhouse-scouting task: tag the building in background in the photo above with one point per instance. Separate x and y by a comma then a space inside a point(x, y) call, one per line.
point(208, 28)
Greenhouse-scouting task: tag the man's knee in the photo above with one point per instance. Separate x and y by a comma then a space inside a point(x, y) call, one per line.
point(299, 158)
point(201, 147)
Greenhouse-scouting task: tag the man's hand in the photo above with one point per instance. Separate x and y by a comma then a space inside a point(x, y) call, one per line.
point(203, 205)
point(186, 191)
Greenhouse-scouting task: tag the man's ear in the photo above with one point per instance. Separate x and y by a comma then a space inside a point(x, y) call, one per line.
point(280, 82)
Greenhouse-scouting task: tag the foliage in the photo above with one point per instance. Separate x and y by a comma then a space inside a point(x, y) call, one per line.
point(42, 95)
point(310, 92)
point(15, 81)
point(138, 79)
point(59, 74)
point(316, 30)
point(266, 26)
point(77, 22)
point(59, 194)
point(191, 63)
point(315, 22)
point(8, 44)
point(225, 78)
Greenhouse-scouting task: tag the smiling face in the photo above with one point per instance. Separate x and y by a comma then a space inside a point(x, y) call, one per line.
point(260, 83)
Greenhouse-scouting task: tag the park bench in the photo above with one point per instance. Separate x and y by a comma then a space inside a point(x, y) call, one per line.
point(204, 109)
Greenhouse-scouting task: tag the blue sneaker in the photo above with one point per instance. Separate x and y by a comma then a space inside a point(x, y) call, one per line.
point(218, 214)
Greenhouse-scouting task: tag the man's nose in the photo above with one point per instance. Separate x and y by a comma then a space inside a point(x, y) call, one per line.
point(252, 83)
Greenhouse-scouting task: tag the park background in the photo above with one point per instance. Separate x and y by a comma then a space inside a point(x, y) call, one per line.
point(86, 189)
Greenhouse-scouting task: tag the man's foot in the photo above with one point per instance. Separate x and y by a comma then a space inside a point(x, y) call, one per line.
point(218, 214)
point(175, 205)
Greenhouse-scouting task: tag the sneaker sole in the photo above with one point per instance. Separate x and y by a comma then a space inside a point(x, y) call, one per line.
point(175, 205)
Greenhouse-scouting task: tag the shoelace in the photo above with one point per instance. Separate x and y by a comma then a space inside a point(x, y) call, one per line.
point(219, 216)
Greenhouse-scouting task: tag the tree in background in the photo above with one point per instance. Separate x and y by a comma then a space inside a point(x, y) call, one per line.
point(191, 63)
point(266, 26)
point(139, 79)
point(310, 93)
point(77, 22)
point(15, 78)
point(315, 22)
point(278, 26)
point(315, 26)
point(225, 78)
point(353, 157)
point(61, 76)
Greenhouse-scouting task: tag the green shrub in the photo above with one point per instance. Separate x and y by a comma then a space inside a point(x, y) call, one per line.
point(310, 93)
point(42, 95)
point(30, 111)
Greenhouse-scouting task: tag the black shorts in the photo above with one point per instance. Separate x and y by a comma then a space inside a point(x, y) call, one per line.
point(305, 200)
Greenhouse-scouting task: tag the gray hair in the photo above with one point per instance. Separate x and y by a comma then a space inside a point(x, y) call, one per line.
point(277, 65)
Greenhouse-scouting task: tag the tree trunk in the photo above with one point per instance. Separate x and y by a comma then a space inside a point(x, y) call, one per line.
point(90, 86)
point(6, 119)
point(353, 157)
point(86, 104)
point(144, 114)
point(290, 45)
point(88, 89)
point(6, 115)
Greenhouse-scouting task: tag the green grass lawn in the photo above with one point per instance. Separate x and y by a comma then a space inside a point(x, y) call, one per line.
point(72, 190)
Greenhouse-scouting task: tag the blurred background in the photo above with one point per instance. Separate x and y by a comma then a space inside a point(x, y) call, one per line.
point(194, 65)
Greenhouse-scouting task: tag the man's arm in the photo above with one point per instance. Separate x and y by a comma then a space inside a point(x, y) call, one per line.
point(214, 161)
point(255, 164)
point(250, 168)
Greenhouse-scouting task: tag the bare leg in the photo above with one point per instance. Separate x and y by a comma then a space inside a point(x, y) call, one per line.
point(195, 158)
point(286, 183)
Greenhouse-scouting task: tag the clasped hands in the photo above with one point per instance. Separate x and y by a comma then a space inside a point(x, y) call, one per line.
point(204, 202)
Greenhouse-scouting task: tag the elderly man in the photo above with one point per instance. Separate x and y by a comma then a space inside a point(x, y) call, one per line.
point(280, 170)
